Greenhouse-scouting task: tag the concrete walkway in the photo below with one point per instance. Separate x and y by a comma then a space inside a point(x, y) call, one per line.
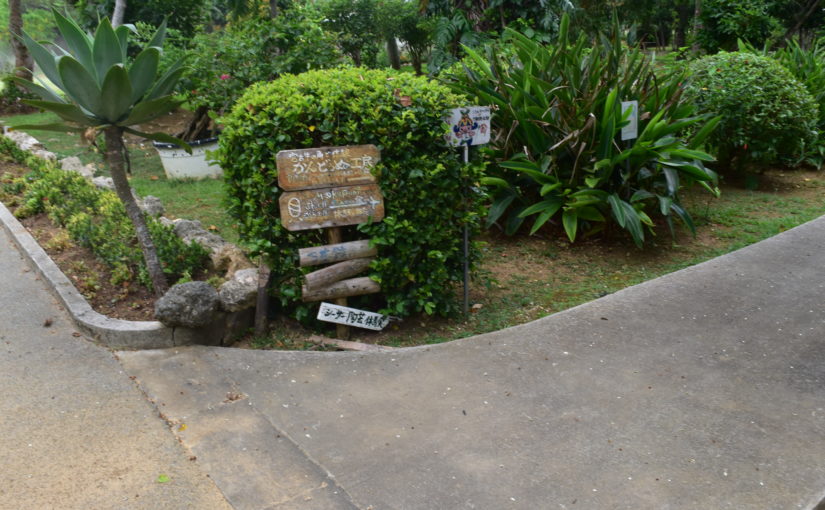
point(704, 389)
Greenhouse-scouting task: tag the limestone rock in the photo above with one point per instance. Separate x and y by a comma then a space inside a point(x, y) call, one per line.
point(240, 292)
point(73, 164)
point(104, 182)
point(44, 154)
point(191, 304)
point(229, 259)
point(151, 205)
point(24, 141)
point(192, 230)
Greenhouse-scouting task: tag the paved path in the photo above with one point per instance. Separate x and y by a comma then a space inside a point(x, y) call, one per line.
point(75, 431)
point(704, 389)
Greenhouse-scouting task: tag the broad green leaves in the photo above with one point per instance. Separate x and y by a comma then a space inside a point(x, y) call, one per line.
point(97, 85)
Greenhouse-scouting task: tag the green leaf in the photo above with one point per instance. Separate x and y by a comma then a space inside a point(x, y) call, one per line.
point(79, 85)
point(640, 195)
point(122, 33)
point(44, 59)
point(672, 179)
point(691, 154)
point(590, 214)
point(143, 72)
point(514, 222)
point(163, 478)
point(699, 138)
point(34, 88)
point(551, 204)
point(65, 111)
point(106, 50)
point(157, 38)
point(161, 137)
point(480, 61)
point(684, 216)
point(540, 221)
point(570, 220)
point(116, 94)
point(145, 111)
point(62, 128)
point(167, 82)
point(498, 207)
point(627, 217)
point(78, 41)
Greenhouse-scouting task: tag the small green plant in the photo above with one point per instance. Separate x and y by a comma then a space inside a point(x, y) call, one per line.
point(767, 115)
point(558, 153)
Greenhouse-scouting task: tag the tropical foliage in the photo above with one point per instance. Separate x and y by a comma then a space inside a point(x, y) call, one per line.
point(558, 118)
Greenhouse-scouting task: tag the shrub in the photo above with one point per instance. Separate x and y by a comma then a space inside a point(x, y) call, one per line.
point(767, 115)
point(558, 117)
point(225, 63)
point(419, 241)
point(725, 21)
point(96, 219)
point(808, 66)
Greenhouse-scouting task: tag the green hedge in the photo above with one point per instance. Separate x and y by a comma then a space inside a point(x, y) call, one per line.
point(767, 115)
point(420, 239)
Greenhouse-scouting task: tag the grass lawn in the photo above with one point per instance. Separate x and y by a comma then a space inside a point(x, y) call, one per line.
point(522, 278)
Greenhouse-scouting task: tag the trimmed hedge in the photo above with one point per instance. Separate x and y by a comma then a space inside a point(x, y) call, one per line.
point(419, 241)
point(767, 115)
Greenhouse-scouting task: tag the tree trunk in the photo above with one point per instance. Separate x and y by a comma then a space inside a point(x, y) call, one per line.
point(114, 157)
point(23, 61)
point(273, 9)
point(117, 15)
point(697, 25)
point(393, 53)
point(802, 18)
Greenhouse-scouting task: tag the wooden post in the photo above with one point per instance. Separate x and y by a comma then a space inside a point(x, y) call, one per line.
point(262, 303)
point(334, 237)
point(335, 273)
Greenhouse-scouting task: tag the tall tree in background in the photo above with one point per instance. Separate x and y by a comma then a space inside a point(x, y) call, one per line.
point(23, 62)
point(117, 15)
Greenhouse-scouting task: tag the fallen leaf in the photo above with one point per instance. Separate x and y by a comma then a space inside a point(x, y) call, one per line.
point(182, 427)
point(163, 478)
point(47, 323)
point(154, 178)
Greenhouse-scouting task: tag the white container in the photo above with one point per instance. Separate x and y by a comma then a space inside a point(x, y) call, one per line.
point(178, 164)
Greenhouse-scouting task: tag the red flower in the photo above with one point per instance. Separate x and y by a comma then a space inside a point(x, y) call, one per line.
point(225, 76)
point(745, 146)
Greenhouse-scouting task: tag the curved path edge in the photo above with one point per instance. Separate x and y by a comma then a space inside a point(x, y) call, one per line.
point(113, 333)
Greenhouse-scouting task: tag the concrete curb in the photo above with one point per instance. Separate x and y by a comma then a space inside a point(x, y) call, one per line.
point(113, 333)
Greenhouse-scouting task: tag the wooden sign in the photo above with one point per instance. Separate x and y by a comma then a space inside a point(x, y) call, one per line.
point(352, 317)
point(326, 167)
point(331, 207)
point(336, 272)
point(631, 131)
point(342, 289)
point(469, 126)
point(330, 253)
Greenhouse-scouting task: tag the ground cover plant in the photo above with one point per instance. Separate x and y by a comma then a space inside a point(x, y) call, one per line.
point(96, 219)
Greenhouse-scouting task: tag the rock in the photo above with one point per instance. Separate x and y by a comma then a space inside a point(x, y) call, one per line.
point(73, 164)
point(229, 259)
point(152, 206)
point(240, 292)
point(192, 231)
point(190, 304)
point(104, 183)
point(24, 141)
point(166, 222)
point(44, 154)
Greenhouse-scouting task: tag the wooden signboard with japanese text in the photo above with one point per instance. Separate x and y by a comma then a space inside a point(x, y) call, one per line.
point(331, 207)
point(326, 167)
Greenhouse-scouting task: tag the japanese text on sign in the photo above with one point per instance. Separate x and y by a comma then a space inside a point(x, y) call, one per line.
point(326, 166)
point(352, 317)
point(331, 207)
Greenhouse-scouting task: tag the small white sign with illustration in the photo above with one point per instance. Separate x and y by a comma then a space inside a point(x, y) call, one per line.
point(469, 126)
point(352, 317)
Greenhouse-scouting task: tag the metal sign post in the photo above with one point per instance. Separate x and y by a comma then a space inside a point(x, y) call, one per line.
point(468, 126)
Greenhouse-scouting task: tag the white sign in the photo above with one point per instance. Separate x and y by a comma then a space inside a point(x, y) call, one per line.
point(631, 131)
point(469, 126)
point(352, 317)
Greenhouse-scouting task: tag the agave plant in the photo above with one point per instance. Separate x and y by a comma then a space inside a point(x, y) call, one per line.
point(100, 90)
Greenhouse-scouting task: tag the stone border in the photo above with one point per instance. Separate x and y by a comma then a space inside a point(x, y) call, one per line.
point(114, 333)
